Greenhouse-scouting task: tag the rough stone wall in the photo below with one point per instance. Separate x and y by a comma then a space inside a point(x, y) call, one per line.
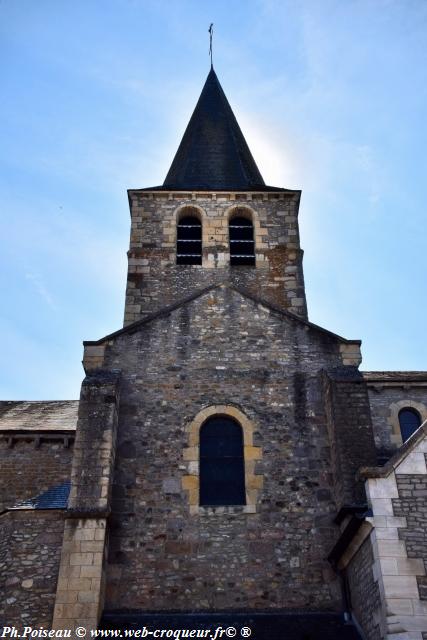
point(154, 278)
point(222, 348)
point(80, 593)
point(27, 470)
point(30, 548)
point(412, 504)
point(364, 592)
point(385, 402)
point(94, 448)
point(350, 432)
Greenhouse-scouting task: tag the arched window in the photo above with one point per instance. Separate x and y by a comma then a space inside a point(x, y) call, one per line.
point(409, 421)
point(242, 244)
point(222, 468)
point(189, 240)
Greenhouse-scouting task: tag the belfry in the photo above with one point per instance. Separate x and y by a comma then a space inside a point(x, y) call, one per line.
point(228, 465)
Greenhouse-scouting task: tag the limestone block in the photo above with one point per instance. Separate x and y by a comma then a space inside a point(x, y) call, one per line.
point(252, 453)
point(193, 467)
point(414, 463)
point(66, 597)
point(77, 584)
point(396, 521)
point(422, 446)
point(405, 635)
point(387, 533)
point(413, 623)
point(420, 607)
point(81, 558)
point(191, 453)
point(397, 606)
point(351, 354)
point(410, 567)
point(190, 482)
point(400, 586)
point(90, 571)
point(391, 548)
point(87, 597)
point(382, 507)
point(383, 487)
point(389, 566)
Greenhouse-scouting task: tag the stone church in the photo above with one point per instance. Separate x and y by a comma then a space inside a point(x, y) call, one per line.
point(228, 465)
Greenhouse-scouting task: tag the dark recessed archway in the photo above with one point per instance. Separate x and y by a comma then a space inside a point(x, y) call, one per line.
point(409, 421)
point(222, 468)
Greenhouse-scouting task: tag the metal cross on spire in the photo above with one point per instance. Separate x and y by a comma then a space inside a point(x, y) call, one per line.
point(210, 42)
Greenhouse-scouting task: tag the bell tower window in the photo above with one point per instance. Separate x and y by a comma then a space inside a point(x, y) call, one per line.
point(242, 244)
point(189, 240)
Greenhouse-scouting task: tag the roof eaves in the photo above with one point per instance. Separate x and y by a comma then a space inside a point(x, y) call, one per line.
point(253, 189)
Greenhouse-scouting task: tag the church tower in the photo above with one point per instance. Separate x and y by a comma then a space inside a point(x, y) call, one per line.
point(217, 471)
point(232, 468)
point(213, 221)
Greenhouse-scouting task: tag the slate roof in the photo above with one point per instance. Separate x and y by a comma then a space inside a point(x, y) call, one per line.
point(213, 154)
point(53, 498)
point(52, 415)
point(395, 376)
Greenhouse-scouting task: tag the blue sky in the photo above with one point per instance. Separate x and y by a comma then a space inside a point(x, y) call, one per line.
point(332, 99)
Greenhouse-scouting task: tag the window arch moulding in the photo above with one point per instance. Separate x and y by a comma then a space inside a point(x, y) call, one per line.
point(259, 234)
point(190, 481)
point(188, 209)
point(393, 419)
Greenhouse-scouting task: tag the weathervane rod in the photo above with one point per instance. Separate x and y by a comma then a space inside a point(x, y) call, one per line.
point(210, 42)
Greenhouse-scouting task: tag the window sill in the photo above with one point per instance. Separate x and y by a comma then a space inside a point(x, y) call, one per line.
point(221, 511)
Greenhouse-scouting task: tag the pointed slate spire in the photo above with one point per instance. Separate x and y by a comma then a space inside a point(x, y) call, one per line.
point(213, 154)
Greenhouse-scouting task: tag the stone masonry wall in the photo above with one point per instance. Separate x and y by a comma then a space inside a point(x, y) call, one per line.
point(386, 402)
point(154, 278)
point(30, 548)
point(222, 348)
point(350, 432)
point(27, 470)
point(397, 496)
point(412, 504)
point(364, 591)
point(80, 592)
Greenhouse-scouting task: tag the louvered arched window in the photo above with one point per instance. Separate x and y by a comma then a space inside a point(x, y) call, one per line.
point(409, 421)
point(242, 243)
point(222, 468)
point(189, 240)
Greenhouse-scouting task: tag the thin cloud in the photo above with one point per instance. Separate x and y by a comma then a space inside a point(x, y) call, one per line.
point(41, 289)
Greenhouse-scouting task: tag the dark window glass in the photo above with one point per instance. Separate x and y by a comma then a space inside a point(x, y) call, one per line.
point(409, 421)
point(242, 244)
point(222, 468)
point(189, 241)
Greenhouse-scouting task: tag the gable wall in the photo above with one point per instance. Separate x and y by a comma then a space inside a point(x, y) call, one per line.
point(222, 349)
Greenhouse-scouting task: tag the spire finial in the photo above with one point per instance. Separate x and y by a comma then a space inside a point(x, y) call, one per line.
point(210, 42)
